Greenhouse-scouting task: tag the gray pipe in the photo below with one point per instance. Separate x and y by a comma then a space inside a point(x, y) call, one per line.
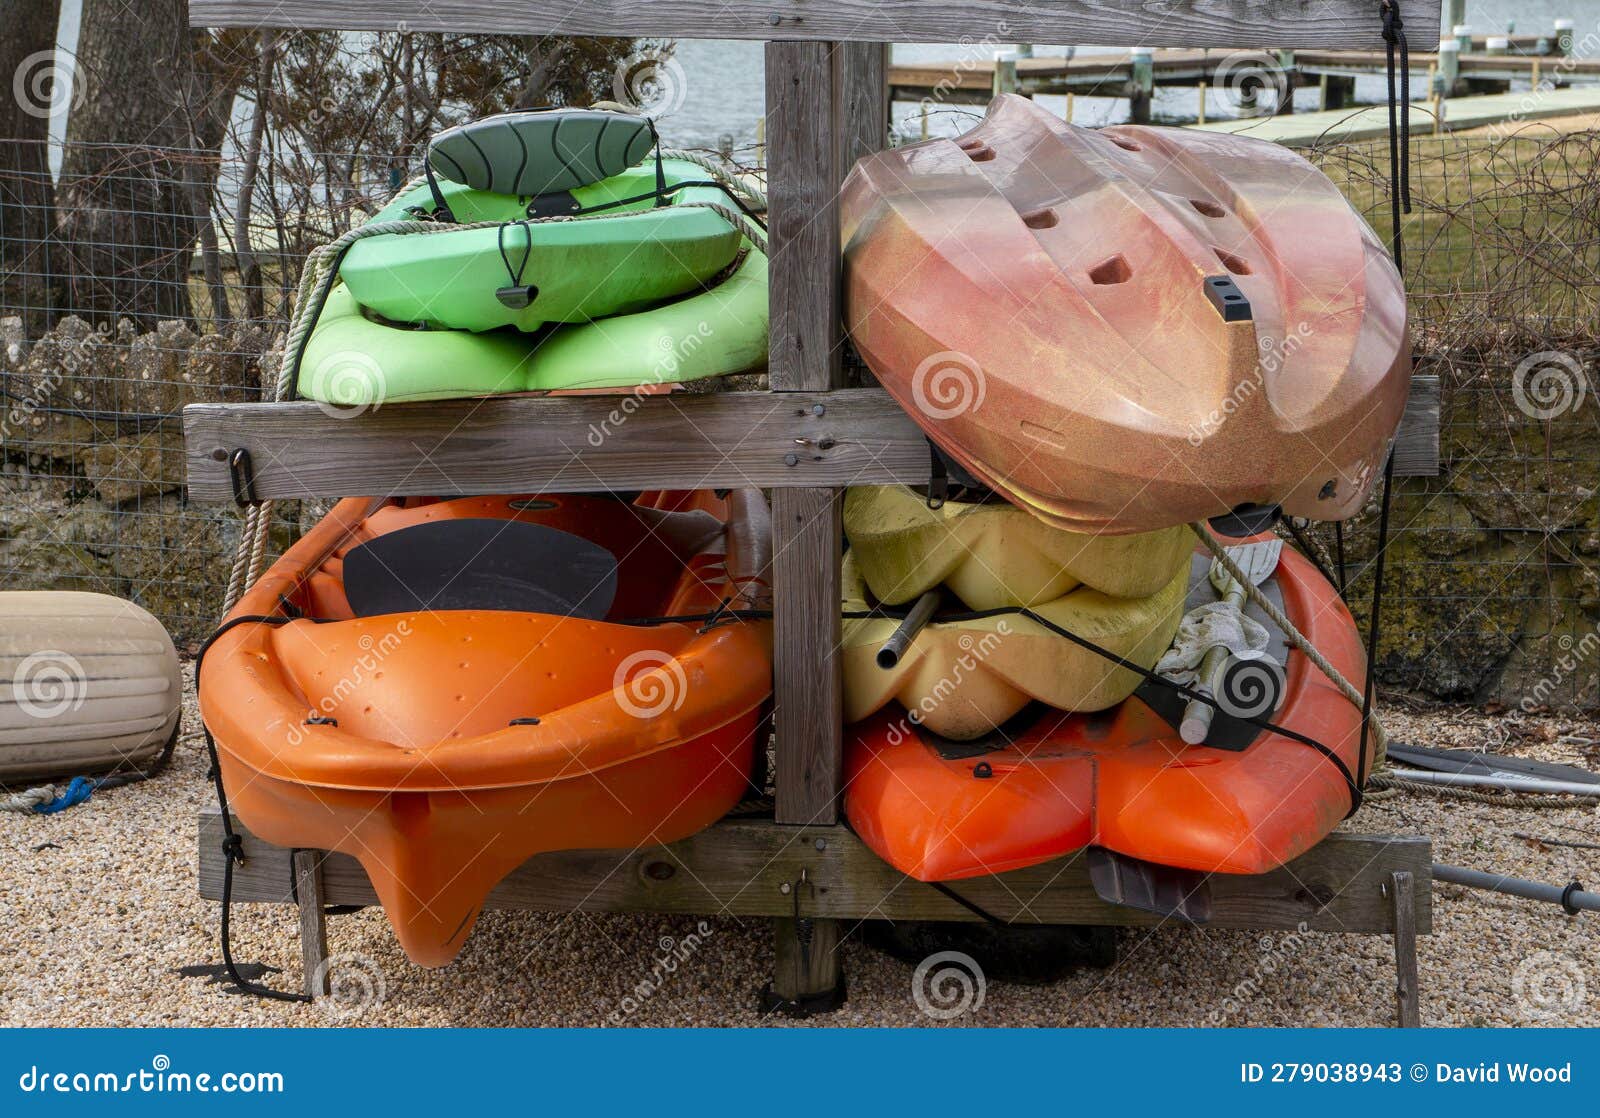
point(1567, 896)
point(900, 640)
point(1509, 783)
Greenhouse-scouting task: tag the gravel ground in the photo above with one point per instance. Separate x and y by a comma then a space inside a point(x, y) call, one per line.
point(102, 918)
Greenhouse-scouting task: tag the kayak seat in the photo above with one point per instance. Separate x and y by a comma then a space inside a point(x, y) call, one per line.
point(541, 151)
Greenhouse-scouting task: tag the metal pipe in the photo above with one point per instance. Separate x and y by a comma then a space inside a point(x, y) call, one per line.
point(895, 647)
point(1508, 783)
point(1572, 897)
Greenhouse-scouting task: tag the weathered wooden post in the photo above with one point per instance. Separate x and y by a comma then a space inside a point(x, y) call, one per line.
point(826, 107)
point(1141, 84)
point(1449, 72)
point(1564, 37)
point(1290, 76)
point(1005, 72)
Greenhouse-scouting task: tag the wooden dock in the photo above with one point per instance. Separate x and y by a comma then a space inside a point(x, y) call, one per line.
point(1136, 74)
point(1455, 115)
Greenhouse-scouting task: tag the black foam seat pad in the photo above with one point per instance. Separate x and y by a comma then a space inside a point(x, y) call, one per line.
point(481, 564)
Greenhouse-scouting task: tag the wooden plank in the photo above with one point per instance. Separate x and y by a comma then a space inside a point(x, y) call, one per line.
point(1194, 23)
point(860, 74)
point(1416, 445)
point(558, 444)
point(307, 865)
point(802, 217)
point(808, 692)
point(739, 868)
point(1407, 996)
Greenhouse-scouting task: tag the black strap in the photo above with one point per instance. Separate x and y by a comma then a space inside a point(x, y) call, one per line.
point(1399, 200)
point(232, 844)
point(1259, 721)
point(441, 208)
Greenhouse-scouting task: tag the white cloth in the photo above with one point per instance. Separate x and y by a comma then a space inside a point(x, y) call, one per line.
point(1206, 627)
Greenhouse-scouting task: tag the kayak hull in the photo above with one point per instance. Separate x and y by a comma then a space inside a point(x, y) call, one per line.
point(1119, 779)
point(1066, 340)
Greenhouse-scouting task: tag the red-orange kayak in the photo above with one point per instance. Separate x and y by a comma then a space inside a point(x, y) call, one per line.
point(1120, 779)
point(1125, 329)
point(444, 747)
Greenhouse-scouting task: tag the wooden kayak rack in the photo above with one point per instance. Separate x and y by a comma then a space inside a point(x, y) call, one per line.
point(806, 439)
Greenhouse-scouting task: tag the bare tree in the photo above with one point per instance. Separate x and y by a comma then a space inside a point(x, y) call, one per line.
point(126, 222)
point(40, 80)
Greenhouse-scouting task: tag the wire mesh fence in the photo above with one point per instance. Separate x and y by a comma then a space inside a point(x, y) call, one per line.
point(133, 282)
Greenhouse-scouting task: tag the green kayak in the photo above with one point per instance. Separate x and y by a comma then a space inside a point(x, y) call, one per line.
point(518, 273)
point(651, 289)
point(354, 361)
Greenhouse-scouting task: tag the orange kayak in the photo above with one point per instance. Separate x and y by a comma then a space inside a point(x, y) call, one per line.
point(443, 747)
point(1125, 329)
point(1121, 779)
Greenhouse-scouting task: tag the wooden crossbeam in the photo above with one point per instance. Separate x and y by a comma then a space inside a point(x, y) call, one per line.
point(741, 868)
point(1178, 23)
point(522, 444)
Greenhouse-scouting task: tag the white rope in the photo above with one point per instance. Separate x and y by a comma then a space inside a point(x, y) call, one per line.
point(30, 799)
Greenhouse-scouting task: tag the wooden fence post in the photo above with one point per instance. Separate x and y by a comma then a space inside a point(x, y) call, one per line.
point(827, 105)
